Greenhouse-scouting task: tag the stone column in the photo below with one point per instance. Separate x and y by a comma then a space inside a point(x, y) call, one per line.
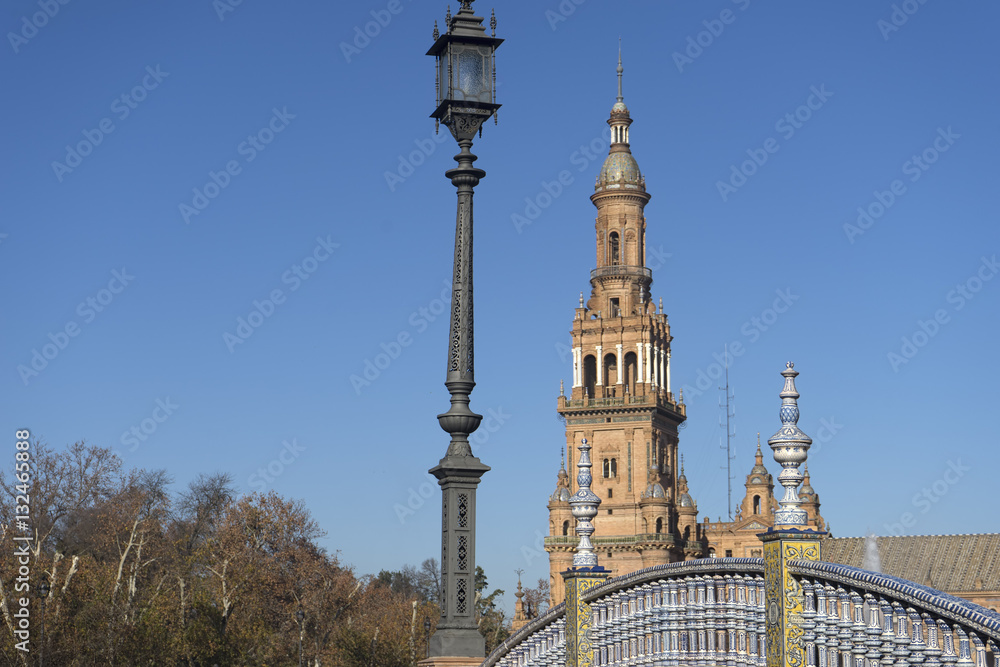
point(649, 365)
point(638, 370)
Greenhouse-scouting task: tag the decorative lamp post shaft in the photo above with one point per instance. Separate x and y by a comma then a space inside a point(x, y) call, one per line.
point(465, 100)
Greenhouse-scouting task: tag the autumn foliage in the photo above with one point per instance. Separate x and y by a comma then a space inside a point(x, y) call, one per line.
point(140, 575)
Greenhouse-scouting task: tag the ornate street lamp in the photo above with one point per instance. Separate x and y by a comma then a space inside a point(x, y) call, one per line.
point(466, 98)
point(427, 637)
point(43, 593)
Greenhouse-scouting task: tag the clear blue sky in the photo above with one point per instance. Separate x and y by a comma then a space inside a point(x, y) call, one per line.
point(329, 121)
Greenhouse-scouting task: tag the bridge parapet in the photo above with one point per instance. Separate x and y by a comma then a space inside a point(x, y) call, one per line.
point(865, 619)
point(702, 612)
point(540, 643)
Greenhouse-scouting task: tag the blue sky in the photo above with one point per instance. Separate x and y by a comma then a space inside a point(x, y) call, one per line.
point(217, 155)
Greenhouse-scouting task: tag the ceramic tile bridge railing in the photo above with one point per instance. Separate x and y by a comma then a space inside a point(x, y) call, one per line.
point(539, 643)
point(712, 612)
point(856, 618)
point(676, 614)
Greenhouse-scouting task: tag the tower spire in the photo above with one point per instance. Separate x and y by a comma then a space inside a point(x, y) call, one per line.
point(620, 70)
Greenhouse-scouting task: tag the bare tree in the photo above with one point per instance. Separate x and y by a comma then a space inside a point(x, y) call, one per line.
point(429, 580)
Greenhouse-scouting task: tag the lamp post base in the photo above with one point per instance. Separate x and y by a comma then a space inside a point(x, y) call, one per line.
point(457, 644)
point(450, 662)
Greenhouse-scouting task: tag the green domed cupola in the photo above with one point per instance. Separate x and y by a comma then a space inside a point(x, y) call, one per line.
point(620, 170)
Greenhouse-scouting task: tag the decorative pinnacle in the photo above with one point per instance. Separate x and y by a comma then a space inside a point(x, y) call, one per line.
point(791, 447)
point(620, 70)
point(584, 505)
point(581, 299)
point(437, 33)
point(493, 21)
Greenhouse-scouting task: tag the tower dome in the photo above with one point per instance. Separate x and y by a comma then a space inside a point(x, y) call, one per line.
point(758, 467)
point(684, 498)
point(807, 493)
point(562, 493)
point(620, 170)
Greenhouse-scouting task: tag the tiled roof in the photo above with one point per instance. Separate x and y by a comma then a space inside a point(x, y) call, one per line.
point(950, 563)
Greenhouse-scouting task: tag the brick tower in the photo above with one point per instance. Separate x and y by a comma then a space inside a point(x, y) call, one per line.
point(621, 399)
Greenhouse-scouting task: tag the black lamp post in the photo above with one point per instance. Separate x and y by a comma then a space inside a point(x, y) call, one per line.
point(466, 98)
point(427, 637)
point(43, 593)
point(300, 616)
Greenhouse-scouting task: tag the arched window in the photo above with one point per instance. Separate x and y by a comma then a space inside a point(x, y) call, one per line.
point(659, 525)
point(610, 369)
point(589, 374)
point(614, 467)
point(607, 468)
point(631, 371)
point(756, 504)
point(565, 527)
point(616, 257)
point(711, 552)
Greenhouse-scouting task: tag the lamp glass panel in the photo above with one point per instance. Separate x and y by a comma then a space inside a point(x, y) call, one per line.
point(444, 91)
point(471, 70)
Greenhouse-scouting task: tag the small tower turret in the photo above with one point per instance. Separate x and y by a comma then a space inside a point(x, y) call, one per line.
point(759, 499)
point(687, 518)
point(521, 618)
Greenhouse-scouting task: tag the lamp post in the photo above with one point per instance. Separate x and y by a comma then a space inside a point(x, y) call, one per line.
point(427, 637)
point(466, 98)
point(43, 592)
point(300, 616)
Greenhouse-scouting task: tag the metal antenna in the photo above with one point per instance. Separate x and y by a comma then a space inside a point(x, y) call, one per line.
point(730, 434)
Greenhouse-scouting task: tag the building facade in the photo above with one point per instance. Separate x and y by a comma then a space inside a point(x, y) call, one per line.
point(622, 402)
point(621, 399)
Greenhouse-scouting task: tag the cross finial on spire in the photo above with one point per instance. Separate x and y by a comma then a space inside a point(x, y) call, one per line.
point(620, 70)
